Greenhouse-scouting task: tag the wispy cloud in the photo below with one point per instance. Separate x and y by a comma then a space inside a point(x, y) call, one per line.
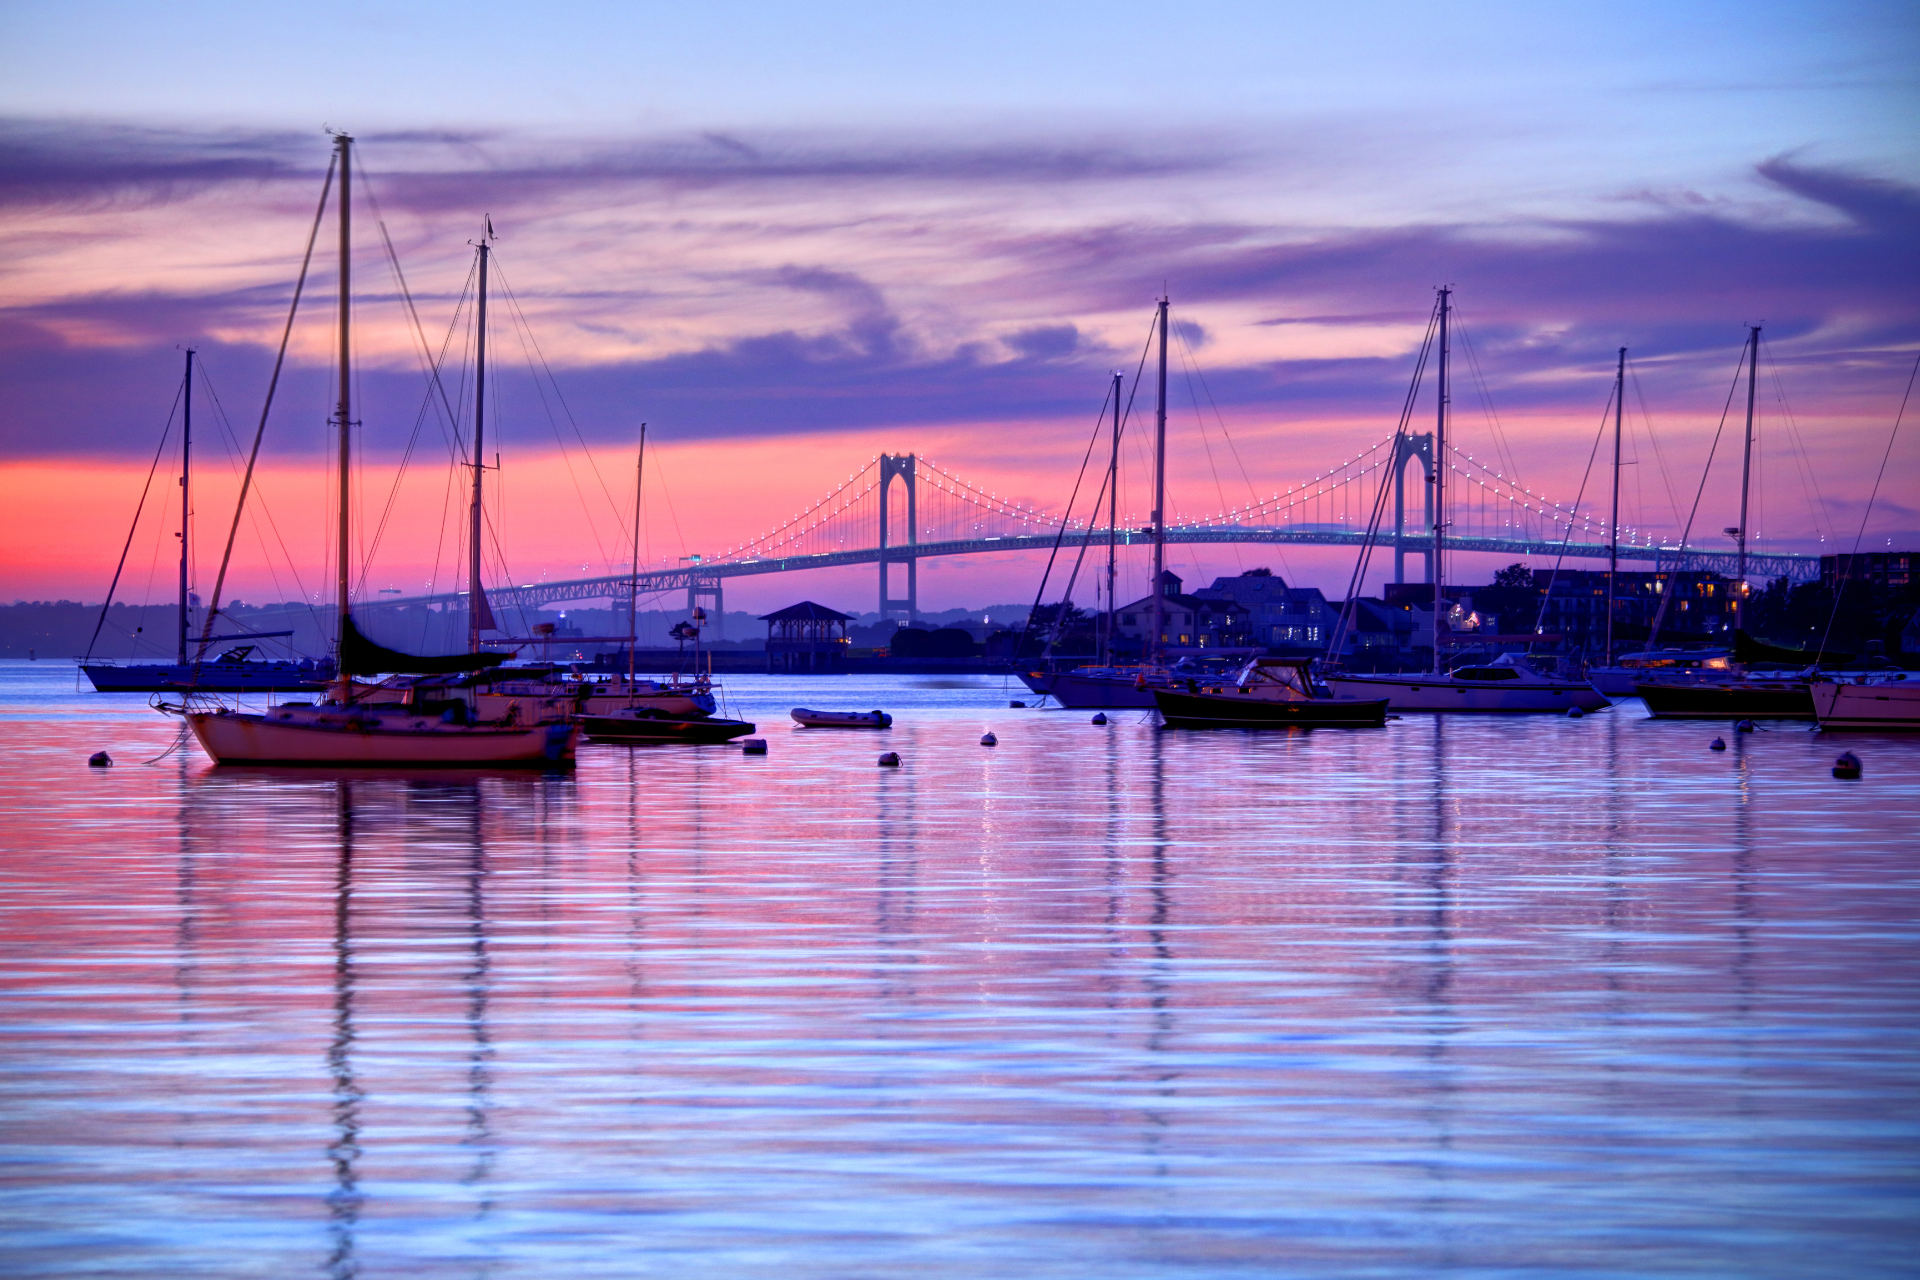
point(743, 286)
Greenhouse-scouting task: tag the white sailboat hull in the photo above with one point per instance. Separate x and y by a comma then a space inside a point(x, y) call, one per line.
point(374, 736)
point(1866, 706)
point(1447, 693)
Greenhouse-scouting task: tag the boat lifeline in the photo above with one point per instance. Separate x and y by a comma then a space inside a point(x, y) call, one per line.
point(1267, 693)
point(1507, 684)
point(341, 730)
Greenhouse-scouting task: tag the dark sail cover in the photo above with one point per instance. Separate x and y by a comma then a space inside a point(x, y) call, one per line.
point(1747, 650)
point(360, 656)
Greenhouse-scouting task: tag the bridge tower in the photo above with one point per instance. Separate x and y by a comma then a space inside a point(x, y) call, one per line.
point(707, 586)
point(1407, 449)
point(899, 466)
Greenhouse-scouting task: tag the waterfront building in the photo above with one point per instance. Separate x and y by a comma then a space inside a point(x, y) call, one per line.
point(1574, 617)
point(1278, 617)
point(1188, 622)
point(1880, 568)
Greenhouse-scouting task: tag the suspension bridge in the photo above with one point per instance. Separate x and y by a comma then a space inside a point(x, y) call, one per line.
point(933, 512)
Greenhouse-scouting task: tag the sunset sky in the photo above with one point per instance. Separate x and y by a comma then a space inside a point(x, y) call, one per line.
point(790, 237)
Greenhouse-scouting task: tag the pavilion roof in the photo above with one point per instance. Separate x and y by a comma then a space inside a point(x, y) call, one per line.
point(806, 611)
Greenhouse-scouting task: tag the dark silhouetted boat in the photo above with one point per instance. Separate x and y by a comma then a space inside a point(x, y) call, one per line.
point(1267, 693)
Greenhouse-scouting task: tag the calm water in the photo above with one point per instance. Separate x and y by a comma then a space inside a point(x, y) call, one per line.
point(1513, 997)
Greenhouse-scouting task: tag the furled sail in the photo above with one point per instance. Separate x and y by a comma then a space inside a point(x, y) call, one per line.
point(360, 656)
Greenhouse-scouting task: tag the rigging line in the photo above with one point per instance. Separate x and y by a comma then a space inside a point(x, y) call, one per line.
point(1059, 617)
point(1027, 626)
point(1809, 475)
point(661, 488)
point(439, 547)
point(513, 300)
point(1187, 362)
point(261, 507)
point(1660, 614)
point(413, 438)
point(1486, 399)
point(134, 528)
point(1053, 632)
point(1659, 454)
point(1357, 580)
point(449, 429)
point(1540, 616)
point(1840, 589)
point(259, 433)
point(566, 458)
point(1253, 498)
point(1079, 560)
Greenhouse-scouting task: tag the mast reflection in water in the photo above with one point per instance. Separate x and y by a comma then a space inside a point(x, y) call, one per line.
point(1573, 997)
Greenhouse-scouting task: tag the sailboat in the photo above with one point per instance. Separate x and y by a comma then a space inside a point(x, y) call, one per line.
point(1508, 684)
point(235, 670)
point(644, 718)
point(1739, 693)
point(1267, 693)
point(427, 727)
point(1107, 685)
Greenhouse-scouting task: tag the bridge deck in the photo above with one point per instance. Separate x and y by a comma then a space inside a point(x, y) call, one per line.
point(1800, 568)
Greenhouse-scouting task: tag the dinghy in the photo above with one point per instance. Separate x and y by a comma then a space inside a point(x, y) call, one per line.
point(808, 719)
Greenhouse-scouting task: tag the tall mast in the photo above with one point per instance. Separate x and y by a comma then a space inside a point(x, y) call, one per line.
point(186, 497)
point(344, 411)
point(1613, 524)
point(1440, 490)
point(1113, 524)
point(633, 583)
point(1154, 652)
point(476, 602)
point(1746, 479)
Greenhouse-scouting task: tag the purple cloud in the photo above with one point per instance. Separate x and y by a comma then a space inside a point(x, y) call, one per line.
point(1541, 297)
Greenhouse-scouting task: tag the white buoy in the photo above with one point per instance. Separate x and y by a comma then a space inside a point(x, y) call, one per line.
point(988, 740)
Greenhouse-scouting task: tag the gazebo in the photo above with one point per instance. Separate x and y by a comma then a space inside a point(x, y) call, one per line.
point(806, 637)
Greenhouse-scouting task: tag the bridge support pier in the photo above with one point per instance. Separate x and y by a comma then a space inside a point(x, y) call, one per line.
point(1411, 448)
point(899, 466)
point(702, 587)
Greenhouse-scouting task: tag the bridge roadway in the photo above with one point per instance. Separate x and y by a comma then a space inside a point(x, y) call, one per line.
point(704, 577)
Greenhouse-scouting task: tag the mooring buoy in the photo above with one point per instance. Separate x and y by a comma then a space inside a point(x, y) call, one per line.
point(1015, 702)
point(1100, 718)
point(100, 760)
point(1743, 726)
point(988, 740)
point(890, 760)
point(754, 747)
point(1575, 713)
point(1847, 766)
point(1717, 744)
